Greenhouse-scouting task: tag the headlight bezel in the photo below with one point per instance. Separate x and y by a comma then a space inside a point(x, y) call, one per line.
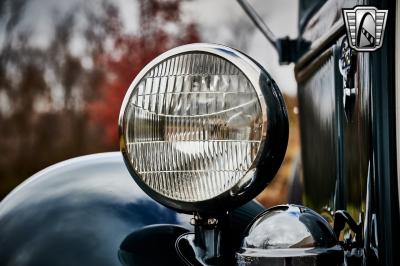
point(274, 134)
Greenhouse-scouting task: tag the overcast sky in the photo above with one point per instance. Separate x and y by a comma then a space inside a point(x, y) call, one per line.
point(219, 21)
point(224, 22)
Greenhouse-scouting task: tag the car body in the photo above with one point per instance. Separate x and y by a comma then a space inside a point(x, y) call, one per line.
point(357, 167)
point(88, 211)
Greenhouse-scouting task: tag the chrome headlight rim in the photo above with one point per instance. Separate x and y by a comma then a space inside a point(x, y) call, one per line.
point(274, 134)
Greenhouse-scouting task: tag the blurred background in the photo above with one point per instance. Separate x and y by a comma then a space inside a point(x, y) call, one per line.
point(66, 65)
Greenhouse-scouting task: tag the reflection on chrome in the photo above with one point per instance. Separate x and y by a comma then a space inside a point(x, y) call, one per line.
point(271, 232)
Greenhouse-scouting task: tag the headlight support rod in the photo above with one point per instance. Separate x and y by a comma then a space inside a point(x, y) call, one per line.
point(205, 247)
point(289, 50)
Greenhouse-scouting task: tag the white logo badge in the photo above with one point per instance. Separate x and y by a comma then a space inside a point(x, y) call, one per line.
point(365, 27)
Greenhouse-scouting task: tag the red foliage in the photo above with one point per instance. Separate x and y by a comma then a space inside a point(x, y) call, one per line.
point(134, 52)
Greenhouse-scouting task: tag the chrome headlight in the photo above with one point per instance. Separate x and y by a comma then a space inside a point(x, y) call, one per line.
point(203, 127)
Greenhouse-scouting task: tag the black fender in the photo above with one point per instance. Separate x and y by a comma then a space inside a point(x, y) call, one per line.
point(77, 212)
point(89, 211)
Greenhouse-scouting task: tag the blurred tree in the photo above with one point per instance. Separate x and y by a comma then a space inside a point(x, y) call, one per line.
point(160, 30)
point(55, 104)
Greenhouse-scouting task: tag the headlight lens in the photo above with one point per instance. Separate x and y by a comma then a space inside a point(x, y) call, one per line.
point(195, 127)
point(192, 125)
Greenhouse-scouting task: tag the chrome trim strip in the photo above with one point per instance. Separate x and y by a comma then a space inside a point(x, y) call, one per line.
point(337, 30)
point(397, 91)
point(308, 70)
